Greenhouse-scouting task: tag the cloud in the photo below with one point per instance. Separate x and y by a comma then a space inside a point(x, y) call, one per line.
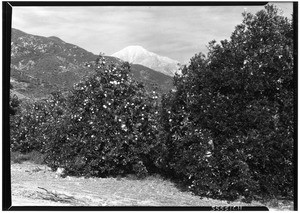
point(176, 32)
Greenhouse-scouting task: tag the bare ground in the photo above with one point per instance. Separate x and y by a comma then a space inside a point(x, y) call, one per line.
point(37, 185)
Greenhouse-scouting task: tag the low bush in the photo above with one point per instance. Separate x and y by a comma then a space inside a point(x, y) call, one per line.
point(34, 157)
point(18, 157)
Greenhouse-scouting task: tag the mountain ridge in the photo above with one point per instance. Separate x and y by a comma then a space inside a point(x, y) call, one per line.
point(41, 65)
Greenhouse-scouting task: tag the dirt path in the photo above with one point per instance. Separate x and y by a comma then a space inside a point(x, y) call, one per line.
point(37, 185)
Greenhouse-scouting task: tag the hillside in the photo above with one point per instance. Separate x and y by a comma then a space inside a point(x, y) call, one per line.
point(40, 65)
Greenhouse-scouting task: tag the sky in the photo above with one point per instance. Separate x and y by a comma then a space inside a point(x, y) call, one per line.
point(178, 32)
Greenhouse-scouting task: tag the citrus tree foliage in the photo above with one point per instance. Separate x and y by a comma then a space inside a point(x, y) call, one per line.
point(229, 124)
point(33, 124)
point(110, 126)
point(14, 103)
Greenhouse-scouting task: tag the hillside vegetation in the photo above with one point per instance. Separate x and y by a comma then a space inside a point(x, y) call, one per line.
point(226, 131)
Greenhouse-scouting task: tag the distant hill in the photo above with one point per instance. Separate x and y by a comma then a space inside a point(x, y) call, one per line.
point(139, 55)
point(40, 65)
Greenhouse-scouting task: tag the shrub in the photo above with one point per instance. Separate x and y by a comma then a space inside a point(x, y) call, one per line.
point(18, 157)
point(34, 156)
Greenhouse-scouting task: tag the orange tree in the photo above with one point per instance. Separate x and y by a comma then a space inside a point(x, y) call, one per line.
point(33, 123)
point(228, 127)
point(110, 127)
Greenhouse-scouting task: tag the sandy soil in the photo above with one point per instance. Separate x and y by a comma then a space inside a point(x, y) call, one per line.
point(37, 185)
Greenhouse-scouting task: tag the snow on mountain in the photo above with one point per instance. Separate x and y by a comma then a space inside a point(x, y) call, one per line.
point(139, 55)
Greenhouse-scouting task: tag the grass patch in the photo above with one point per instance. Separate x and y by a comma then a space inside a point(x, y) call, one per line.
point(34, 157)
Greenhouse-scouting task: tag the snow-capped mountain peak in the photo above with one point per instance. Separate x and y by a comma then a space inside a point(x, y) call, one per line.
point(135, 48)
point(139, 55)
